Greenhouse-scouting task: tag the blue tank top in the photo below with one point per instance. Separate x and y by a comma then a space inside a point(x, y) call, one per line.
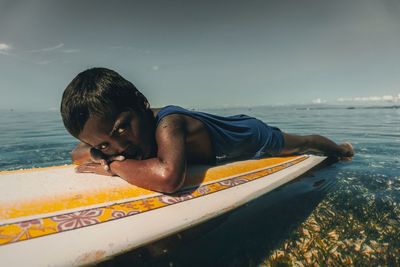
point(234, 137)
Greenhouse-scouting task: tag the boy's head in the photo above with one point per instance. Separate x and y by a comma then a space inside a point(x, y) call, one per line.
point(98, 92)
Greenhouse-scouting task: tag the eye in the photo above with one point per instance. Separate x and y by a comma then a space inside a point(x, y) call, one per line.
point(103, 146)
point(121, 130)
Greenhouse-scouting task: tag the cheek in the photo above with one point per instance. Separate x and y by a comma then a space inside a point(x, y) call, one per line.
point(139, 133)
point(137, 128)
point(133, 132)
point(133, 135)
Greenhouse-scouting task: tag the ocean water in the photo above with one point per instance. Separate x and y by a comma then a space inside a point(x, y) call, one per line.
point(343, 213)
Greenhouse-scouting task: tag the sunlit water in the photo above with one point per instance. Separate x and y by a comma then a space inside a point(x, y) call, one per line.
point(344, 213)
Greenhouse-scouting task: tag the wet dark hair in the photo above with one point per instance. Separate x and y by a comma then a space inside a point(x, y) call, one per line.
point(99, 92)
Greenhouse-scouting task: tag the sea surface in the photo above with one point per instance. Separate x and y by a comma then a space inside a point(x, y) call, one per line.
point(343, 213)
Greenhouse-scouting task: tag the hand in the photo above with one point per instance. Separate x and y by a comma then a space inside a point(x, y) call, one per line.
point(98, 157)
point(99, 163)
point(92, 167)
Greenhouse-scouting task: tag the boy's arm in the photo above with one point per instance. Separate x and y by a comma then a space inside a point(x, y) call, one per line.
point(166, 172)
point(89, 158)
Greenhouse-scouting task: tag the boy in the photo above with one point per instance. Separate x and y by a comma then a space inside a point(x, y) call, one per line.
point(121, 135)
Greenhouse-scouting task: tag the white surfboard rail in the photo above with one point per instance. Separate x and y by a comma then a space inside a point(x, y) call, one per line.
point(74, 236)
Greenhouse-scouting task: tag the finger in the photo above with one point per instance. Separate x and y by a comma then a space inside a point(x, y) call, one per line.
point(78, 169)
point(93, 168)
point(104, 163)
point(84, 168)
point(117, 158)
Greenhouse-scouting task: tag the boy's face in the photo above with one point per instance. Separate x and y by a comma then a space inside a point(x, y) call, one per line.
point(129, 133)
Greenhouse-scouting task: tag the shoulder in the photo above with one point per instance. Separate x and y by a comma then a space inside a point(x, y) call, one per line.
point(167, 110)
point(169, 114)
point(171, 124)
point(171, 132)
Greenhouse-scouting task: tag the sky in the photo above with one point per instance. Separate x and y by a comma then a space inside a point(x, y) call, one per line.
point(203, 53)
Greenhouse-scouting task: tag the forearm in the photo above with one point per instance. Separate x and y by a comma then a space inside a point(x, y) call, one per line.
point(152, 174)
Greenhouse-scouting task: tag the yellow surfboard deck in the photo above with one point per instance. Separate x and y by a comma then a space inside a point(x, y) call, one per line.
point(51, 206)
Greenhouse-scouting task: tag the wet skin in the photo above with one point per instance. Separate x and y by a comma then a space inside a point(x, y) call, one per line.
point(153, 157)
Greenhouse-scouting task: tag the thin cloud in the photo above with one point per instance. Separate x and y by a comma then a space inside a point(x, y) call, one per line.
point(384, 98)
point(69, 51)
point(47, 49)
point(319, 101)
point(4, 48)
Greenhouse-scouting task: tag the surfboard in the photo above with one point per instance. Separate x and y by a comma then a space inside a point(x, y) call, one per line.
point(56, 217)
